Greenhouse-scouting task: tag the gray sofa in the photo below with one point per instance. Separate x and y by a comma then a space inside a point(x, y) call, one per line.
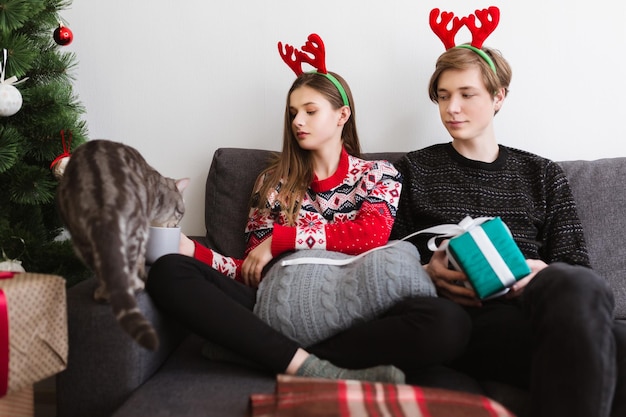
point(109, 375)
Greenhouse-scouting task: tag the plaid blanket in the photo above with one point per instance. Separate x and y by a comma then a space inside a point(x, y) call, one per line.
point(308, 397)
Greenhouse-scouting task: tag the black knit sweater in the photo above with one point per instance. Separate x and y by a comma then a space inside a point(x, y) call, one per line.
point(530, 193)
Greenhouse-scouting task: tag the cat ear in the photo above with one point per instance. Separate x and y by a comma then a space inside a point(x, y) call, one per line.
point(182, 183)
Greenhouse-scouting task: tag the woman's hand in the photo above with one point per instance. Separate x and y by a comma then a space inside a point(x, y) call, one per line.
point(254, 263)
point(451, 284)
point(186, 246)
point(517, 289)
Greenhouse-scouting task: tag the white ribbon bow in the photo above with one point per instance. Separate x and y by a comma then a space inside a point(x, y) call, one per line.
point(450, 231)
point(442, 231)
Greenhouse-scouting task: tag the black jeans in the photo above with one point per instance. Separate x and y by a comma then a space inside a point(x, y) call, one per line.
point(417, 332)
point(559, 339)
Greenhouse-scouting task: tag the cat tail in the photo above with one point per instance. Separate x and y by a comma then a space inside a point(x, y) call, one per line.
point(132, 320)
point(120, 288)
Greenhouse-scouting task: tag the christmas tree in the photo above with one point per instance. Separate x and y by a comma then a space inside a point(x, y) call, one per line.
point(35, 133)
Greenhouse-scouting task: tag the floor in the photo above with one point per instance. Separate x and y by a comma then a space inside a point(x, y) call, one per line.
point(45, 398)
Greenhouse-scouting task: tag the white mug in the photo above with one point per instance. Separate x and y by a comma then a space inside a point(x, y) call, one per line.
point(161, 241)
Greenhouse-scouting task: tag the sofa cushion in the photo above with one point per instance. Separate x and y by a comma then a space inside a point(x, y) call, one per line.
point(228, 189)
point(599, 188)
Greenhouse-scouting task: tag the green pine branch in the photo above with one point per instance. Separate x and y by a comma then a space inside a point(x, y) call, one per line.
point(15, 13)
point(30, 227)
point(10, 143)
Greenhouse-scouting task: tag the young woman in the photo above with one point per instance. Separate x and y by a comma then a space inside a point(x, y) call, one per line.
point(215, 295)
point(553, 332)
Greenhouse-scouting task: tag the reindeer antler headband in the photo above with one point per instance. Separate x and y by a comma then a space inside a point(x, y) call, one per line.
point(489, 19)
point(314, 46)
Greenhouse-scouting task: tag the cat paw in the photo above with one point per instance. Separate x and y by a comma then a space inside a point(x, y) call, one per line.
point(137, 284)
point(101, 295)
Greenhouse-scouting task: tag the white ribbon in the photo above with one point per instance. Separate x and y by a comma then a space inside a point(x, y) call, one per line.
point(11, 80)
point(442, 231)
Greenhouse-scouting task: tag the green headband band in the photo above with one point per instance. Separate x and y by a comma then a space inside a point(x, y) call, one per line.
point(482, 54)
point(336, 83)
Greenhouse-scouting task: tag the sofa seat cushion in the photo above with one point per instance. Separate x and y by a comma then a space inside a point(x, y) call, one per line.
point(188, 385)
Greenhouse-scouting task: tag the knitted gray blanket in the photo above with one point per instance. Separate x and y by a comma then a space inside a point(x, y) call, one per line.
point(311, 302)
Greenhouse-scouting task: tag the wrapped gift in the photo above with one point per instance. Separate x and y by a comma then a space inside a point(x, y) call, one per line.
point(314, 397)
point(488, 255)
point(33, 329)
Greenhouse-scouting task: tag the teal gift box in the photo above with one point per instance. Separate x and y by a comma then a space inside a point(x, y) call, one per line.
point(489, 257)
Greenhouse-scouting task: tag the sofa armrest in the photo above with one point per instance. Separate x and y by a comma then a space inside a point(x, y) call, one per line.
point(104, 364)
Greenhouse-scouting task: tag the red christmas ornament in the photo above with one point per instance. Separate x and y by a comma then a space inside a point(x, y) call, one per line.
point(63, 35)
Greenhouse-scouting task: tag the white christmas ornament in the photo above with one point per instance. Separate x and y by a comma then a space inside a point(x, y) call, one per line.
point(10, 100)
point(12, 265)
point(10, 97)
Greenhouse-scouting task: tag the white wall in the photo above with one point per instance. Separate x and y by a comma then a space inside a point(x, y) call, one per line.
point(178, 79)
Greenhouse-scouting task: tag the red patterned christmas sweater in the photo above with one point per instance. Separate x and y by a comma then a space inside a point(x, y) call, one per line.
point(352, 211)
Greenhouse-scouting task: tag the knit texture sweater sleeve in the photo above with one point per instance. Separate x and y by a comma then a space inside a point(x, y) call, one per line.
point(530, 193)
point(227, 265)
point(562, 231)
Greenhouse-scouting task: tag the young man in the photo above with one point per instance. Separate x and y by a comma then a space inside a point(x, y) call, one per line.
point(554, 331)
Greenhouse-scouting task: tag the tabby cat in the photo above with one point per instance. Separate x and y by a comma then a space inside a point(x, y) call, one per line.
point(107, 198)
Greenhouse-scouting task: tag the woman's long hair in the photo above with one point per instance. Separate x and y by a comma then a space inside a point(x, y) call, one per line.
point(292, 169)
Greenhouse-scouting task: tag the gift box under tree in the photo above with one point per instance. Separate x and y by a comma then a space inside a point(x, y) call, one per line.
point(489, 256)
point(33, 329)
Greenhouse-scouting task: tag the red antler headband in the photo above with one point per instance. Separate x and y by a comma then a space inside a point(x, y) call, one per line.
point(488, 18)
point(317, 58)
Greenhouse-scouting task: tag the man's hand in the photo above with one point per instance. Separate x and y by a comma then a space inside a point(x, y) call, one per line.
point(517, 289)
point(254, 263)
point(451, 284)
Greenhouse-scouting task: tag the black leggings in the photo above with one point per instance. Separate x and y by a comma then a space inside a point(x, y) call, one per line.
point(416, 333)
